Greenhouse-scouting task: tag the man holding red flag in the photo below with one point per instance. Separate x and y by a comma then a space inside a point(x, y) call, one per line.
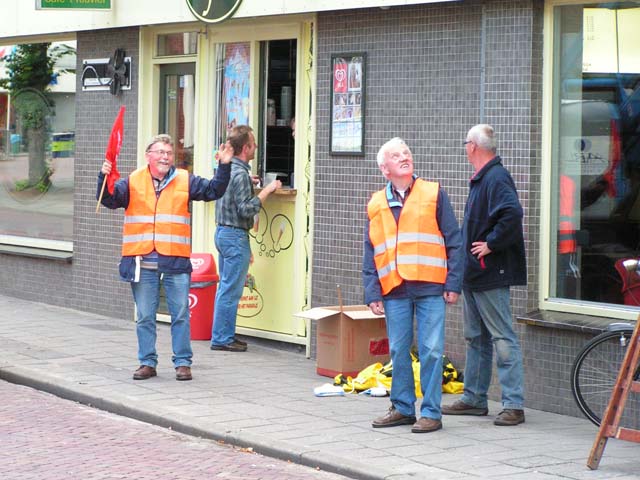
point(157, 244)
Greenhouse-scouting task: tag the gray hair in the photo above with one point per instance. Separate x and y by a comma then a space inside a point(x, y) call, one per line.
point(483, 136)
point(162, 138)
point(386, 146)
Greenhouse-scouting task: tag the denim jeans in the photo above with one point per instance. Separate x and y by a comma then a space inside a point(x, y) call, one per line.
point(146, 294)
point(429, 314)
point(488, 322)
point(234, 253)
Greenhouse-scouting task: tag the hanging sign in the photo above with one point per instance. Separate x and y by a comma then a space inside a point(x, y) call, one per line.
point(74, 4)
point(213, 11)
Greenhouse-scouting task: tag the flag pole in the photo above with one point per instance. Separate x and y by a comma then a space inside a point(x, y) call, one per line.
point(104, 183)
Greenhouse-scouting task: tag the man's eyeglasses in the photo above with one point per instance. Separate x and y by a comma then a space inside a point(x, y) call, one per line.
point(467, 141)
point(162, 153)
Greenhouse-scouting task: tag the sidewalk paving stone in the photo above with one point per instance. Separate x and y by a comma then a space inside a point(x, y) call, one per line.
point(263, 399)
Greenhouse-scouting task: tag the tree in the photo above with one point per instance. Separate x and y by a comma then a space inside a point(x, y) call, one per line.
point(30, 72)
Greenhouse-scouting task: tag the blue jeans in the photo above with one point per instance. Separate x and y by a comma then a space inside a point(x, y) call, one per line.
point(146, 294)
point(488, 322)
point(234, 253)
point(429, 314)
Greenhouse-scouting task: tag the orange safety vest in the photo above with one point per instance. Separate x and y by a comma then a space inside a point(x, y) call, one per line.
point(163, 223)
point(413, 248)
point(566, 227)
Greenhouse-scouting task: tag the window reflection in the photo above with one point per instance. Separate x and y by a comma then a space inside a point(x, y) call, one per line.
point(596, 151)
point(37, 142)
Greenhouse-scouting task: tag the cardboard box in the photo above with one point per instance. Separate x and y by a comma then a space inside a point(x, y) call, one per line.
point(348, 339)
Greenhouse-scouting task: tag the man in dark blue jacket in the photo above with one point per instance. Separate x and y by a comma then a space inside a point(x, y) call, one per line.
point(156, 244)
point(494, 260)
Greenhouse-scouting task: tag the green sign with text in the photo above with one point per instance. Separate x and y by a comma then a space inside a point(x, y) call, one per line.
point(213, 11)
point(95, 4)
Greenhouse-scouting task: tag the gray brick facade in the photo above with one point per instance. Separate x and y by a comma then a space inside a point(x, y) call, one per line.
point(432, 72)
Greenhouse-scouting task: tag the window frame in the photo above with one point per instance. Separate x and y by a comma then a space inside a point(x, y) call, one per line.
point(547, 225)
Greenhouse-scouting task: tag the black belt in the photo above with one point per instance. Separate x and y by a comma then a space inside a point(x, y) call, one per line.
point(233, 226)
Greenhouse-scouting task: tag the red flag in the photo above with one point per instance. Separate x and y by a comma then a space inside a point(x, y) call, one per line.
point(113, 149)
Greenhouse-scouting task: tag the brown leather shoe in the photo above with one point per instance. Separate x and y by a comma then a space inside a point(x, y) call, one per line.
point(393, 418)
point(234, 346)
point(240, 342)
point(143, 372)
point(460, 408)
point(183, 373)
point(509, 417)
point(426, 425)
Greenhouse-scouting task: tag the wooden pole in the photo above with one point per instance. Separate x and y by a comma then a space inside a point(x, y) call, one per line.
point(104, 182)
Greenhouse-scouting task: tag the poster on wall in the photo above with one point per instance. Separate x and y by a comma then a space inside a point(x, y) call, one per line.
point(235, 87)
point(347, 104)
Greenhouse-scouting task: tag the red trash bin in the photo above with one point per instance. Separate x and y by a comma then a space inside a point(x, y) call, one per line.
point(202, 295)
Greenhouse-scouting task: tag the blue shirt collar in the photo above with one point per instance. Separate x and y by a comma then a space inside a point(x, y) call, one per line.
point(391, 198)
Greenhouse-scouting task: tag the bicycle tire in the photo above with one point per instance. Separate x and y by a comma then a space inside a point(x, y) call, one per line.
point(595, 370)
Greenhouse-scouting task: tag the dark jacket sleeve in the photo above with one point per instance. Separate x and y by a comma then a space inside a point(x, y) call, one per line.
point(450, 229)
point(370, 280)
point(505, 214)
point(120, 196)
point(208, 190)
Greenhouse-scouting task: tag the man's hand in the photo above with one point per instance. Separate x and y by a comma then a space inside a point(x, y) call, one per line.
point(377, 308)
point(273, 186)
point(106, 167)
point(450, 297)
point(224, 153)
point(480, 249)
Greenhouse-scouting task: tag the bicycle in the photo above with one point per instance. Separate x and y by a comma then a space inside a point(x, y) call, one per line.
point(595, 370)
point(596, 367)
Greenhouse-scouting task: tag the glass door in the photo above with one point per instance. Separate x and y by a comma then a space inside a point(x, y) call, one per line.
point(177, 107)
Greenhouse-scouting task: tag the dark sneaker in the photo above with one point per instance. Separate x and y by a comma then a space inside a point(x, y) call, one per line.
point(183, 373)
point(234, 346)
point(393, 418)
point(143, 372)
point(509, 417)
point(460, 408)
point(240, 342)
point(426, 425)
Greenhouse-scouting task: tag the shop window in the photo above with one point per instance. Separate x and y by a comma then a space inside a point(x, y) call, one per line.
point(233, 72)
point(37, 142)
point(596, 152)
point(182, 43)
point(275, 130)
point(278, 110)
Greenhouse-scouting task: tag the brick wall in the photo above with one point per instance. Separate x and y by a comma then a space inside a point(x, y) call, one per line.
point(97, 238)
point(433, 71)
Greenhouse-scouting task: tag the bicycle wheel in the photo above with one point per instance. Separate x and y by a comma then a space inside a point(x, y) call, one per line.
point(595, 371)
